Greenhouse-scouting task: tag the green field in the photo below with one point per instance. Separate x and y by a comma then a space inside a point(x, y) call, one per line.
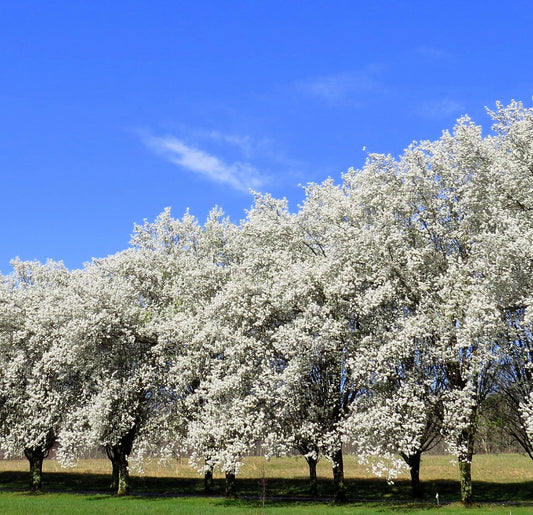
point(502, 484)
point(17, 503)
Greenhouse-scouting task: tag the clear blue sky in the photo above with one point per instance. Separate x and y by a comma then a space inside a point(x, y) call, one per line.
point(112, 110)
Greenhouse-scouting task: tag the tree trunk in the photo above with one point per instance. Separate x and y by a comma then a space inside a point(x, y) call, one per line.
point(311, 453)
point(231, 487)
point(35, 456)
point(465, 472)
point(465, 462)
point(120, 475)
point(118, 455)
point(339, 490)
point(123, 476)
point(413, 460)
point(313, 483)
point(114, 475)
point(208, 479)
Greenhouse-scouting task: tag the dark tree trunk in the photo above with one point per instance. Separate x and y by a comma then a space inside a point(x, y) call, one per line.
point(465, 472)
point(311, 453)
point(313, 483)
point(114, 474)
point(231, 487)
point(465, 462)
point(208, 480)
point(35, 456)
point(467, 436)
point(339, 489)
point(413, 460)
point(118, 455)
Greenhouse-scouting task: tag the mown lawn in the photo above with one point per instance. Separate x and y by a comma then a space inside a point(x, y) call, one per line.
point(501, 484)
point(23, 503)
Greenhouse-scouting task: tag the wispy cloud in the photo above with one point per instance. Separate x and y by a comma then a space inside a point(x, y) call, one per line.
point(343, 88)
point(242, 176)
point(244, 143)
point(265, 150)
point(441, 108)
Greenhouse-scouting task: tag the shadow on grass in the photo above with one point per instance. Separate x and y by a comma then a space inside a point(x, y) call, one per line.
point(275, 490)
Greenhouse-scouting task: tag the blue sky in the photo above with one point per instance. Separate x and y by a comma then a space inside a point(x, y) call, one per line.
point(111, 111)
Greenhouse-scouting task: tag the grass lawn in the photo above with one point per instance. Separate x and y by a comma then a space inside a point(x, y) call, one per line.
point(501, 483)
point(22, 503)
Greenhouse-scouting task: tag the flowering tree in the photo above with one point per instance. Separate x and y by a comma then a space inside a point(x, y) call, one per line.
point(441, 234)
point(395, 417)
point(286, 306)
point(197, 261)
point(112, 333)
point(303, 342)
point(466, 229)
point(229, 342)
point(36, 383)
point(510, 265)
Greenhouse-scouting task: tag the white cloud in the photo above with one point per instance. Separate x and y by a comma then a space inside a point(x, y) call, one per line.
point(244, 143)
point(343, 88)
point(442, 108)
point(265, 150)
point(239, 175)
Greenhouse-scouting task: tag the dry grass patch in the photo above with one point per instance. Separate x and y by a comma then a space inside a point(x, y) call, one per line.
point(497, 478)
point(499, 468)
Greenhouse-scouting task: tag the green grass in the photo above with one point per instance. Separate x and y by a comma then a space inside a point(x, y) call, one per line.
point(22, 503)
point(264, 486)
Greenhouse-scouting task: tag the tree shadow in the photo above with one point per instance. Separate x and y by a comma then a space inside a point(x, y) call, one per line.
point(275, 490)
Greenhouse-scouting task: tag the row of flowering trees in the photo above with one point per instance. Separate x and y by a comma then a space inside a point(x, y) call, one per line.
point(381, 314)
